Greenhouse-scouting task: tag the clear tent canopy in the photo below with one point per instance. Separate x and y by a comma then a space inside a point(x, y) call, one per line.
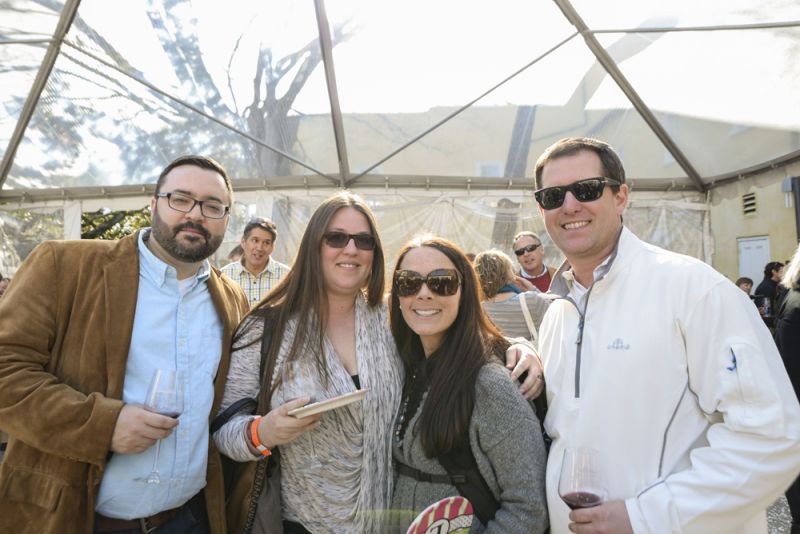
point(425, 104)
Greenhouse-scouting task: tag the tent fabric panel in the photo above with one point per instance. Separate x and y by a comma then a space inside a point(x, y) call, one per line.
point(19, 64)
point(699, 89)
point(94, 126)
point(613, 14)
point(29, 19)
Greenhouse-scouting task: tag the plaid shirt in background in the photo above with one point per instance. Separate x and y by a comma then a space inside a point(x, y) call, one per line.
point(256, 287)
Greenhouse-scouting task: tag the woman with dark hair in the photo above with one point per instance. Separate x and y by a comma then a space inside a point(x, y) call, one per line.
point(458, 399)
point(328, 329)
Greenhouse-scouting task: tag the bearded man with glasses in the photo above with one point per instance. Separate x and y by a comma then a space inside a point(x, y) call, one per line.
point(82, 331)
point(659, 363)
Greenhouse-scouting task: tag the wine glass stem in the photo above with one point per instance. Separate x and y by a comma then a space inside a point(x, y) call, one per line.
point(153, 478)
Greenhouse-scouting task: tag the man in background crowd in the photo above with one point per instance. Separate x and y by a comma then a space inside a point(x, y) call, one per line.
point(660, 364)
point(530, 254)
point(82, 330)
point(769, 291)
point(256, 272)
point(235, 254)
point(745, 284)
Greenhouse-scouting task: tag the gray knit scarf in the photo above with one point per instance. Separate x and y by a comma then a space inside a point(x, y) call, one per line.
point(338, 477)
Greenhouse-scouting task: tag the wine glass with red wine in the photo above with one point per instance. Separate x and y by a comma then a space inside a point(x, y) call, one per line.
point(165, 397)
point(582, 484)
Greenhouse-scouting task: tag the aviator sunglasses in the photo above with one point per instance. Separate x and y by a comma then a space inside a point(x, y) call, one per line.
point(528, 248)
point(341, 239)
point(443, 282)
point(586, 190)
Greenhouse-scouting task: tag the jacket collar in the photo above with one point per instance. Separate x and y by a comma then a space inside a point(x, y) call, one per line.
point(626, 241)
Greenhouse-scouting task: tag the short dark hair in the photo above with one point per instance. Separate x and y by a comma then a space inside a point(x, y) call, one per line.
point(236, 251)
point(204, 162)
point(612, 165)
point(261, 222)
point(744, 280)
point(771, 266)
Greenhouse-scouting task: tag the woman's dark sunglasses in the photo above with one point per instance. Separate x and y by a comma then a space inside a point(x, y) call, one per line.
point(586, 190)
point(341, 239)
point(443, 282)
point(528, 248)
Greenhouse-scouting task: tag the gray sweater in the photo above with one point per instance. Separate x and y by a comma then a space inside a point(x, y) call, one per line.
point(508, 316)
point(506, 441)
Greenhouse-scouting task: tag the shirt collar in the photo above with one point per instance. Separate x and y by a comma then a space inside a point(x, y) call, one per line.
point(564, 278)
point(268, 268)
point(528, 275)
point(156, 269)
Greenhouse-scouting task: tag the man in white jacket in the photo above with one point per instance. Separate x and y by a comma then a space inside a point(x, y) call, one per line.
point(658, 362)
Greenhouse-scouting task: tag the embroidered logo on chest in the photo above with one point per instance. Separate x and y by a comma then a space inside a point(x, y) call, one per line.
point(618, 344)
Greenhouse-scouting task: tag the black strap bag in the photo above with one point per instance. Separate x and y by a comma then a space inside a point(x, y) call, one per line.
point(252, 489)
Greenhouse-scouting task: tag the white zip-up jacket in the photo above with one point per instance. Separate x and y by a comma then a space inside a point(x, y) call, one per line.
point(671, 374)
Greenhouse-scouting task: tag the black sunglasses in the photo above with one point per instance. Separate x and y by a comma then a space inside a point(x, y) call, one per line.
point(586, 190)
point(527, 248)
point(341, 239)
point(443, 282)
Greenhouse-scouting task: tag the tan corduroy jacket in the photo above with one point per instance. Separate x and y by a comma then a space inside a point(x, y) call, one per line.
point(65, 331)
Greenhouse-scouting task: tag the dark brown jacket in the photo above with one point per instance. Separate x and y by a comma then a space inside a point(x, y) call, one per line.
point(65, 331)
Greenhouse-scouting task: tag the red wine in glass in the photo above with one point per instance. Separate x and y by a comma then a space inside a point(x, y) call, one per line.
point(582, 484)
point(581, 499)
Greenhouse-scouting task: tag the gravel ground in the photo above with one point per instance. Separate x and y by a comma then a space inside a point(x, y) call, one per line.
point(778, 518)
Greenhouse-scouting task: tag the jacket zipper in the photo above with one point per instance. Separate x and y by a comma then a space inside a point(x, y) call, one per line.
point(579, 341)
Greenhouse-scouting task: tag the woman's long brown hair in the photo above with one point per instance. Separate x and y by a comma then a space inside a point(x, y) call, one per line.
point(302, 293)
point(470, 342)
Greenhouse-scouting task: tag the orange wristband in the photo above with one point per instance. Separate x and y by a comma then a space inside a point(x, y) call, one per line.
point(254, 437)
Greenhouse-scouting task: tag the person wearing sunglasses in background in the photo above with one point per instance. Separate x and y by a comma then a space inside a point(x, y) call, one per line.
point(660, 363)
point(458, 399)
point(529, 251)
point(329, 327)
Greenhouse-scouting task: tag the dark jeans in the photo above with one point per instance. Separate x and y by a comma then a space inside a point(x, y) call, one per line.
point(793, 496)
point(290, 527)
point(191, 519)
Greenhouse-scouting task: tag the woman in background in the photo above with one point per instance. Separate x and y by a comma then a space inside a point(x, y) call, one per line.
point(458, 399)
point(505, 303)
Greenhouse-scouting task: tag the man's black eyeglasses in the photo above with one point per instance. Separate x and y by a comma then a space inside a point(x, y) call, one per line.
point(585, 190)
point(341, 239)
point(443, 282)
point(527, 248)
point(213, 209)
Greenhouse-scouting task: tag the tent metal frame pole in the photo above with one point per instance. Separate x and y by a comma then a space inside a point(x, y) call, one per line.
point(616, 74)
point(761, 168)
point(42, 76)
point(326, 47)
point(712, 28)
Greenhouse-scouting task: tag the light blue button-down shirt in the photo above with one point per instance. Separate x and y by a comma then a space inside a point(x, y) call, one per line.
point(174, 328)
